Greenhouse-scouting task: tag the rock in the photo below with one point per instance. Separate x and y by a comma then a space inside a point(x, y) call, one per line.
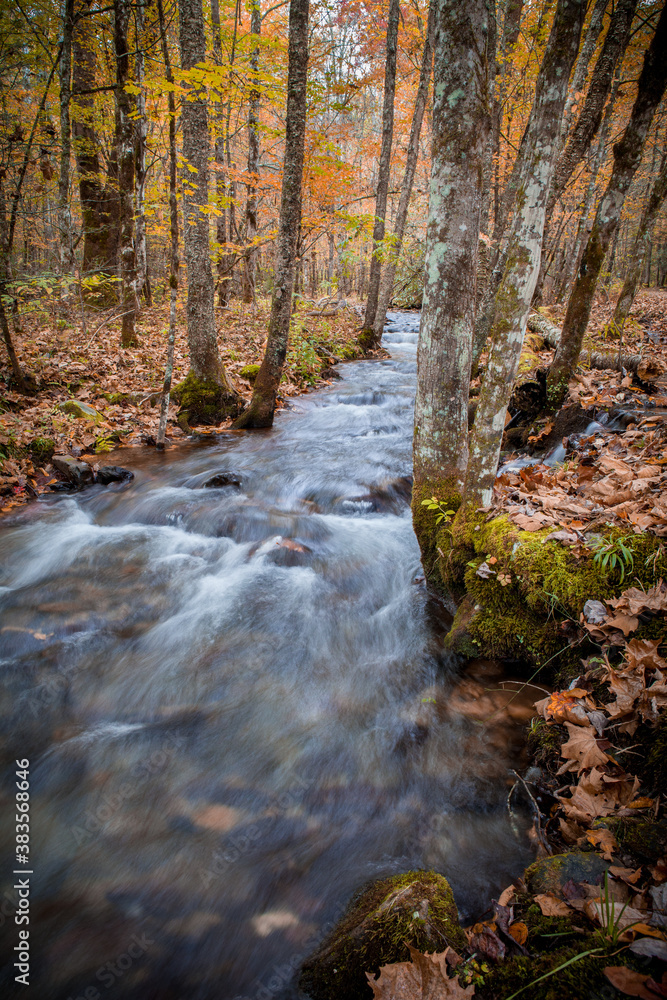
point(82, 410)
point(595, 612)
point(223, 479)
point(41, 448)
point(551, 874)
point(415, 908)
point(113, 474)
point(77, 473)
point(330, 373)
point(249, 372)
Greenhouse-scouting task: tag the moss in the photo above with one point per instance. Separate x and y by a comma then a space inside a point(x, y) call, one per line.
point(644, 838)
point(551, 874)
point(416, 908)
point(204, 401)
point(366, 339)
point(435, 540)
point(534, 583)
point(120, 398)
point(249, 372)
point(543, 745)
point(41, 448)
point(655, 770)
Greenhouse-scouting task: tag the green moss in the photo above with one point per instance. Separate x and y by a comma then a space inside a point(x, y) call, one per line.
point(249, 372)
point(534, 584)
point(644, 838)
point(543, 745)
point(655, 770)
point(41, 448)
point(435, 540)
point(204, 401)
point(551, 874)
point(415, 908)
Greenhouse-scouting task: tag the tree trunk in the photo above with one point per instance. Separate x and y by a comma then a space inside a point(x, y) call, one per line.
point(202, 342)
point(638, 252)
point(627, 156)
point(367, 338)
point(250, 262)
point(494, 69)
point(523, 258)
point(99, 202)
point(125, 148)
point(225, 260)
point(66, 234)
point(581, 69)
point(173, 230)
point(263, 403)
point(389, 270)
point(460, 125)
point(141, 132)
point(511, 27)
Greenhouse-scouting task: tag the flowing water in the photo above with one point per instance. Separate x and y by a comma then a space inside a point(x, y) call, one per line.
point(235, 705)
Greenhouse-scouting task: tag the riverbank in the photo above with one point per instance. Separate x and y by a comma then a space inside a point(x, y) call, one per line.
point(92, 397)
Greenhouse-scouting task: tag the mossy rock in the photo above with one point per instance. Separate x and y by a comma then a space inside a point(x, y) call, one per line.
point(366, 339)
point(249, 372)
point(42, 448)
point(80, 410)
point(643, 838)
point(204, 401)
point(551, 874)
point(416, 908)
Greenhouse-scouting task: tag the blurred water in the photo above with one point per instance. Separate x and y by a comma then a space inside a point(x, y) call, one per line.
point(235, 705)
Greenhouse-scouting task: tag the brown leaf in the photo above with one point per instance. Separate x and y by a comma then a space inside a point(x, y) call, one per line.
point(551, 906)
point(605, 840)
point(424, 977)
point(483, 939)
point(581, 751)
point(519, 932)
point(633, 984)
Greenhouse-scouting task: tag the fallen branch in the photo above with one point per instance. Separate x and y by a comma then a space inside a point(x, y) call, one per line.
point(610, 362)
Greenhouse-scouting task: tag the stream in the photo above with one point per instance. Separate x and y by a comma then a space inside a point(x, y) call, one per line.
point(236, 707)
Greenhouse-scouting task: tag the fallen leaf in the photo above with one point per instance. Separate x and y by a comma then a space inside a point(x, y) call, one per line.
point(519, 932)
point(633, 984)
point(605, 840)
point(424, 977)
point(581, 752)
point(551, 906)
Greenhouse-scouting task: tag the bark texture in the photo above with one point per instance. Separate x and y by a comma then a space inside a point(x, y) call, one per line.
point(202, 342)
point(523, 258)
point(367, 338)
point(460, 125)
point(389, 271)
point(627, 156)
point(66, 234)
point(250, 262)
point(263, 402)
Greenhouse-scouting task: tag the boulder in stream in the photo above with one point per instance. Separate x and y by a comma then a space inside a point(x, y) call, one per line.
point(77, 473)
point(414, 908)
point(113, 474)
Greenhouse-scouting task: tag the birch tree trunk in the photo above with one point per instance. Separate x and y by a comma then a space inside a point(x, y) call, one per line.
point(66, 247)
point(627, 156)
point(367, 338)
point(263, 402)
point(141, 132)
point(640, 246)
point(173, 232)
point(125, 147)
point(523, 259)
point(202, 342)
point(389, 270)
point(250, 262)
point(460, 124)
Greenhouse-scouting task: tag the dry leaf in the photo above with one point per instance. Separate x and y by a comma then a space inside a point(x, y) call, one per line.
point(551, 906)
point(425, 977)
point(519, 932)
point(605, 840)
point(581, 752)
point(633, 984)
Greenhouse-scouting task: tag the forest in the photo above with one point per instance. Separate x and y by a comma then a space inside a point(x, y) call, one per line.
point(333, 498)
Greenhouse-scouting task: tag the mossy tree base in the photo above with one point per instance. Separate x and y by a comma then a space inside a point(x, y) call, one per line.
point(415, 908)
point(204, 401)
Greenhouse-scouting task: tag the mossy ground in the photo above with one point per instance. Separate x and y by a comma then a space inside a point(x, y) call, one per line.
point(204, 401)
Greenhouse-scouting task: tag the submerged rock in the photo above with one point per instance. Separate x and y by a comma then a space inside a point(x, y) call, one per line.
point(113, 474)
point(223, 479)
point(77, 473)
point(415, 908)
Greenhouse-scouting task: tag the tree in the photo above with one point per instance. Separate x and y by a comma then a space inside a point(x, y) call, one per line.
point(627, 156)
point(205, 360)
point(460, 125)
point(522, 266)
point(263, 402)
point(368, 336)
point(66, 249)
point(250, 262)
point(389, 271)
point(638, 253)
point(125, 157)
